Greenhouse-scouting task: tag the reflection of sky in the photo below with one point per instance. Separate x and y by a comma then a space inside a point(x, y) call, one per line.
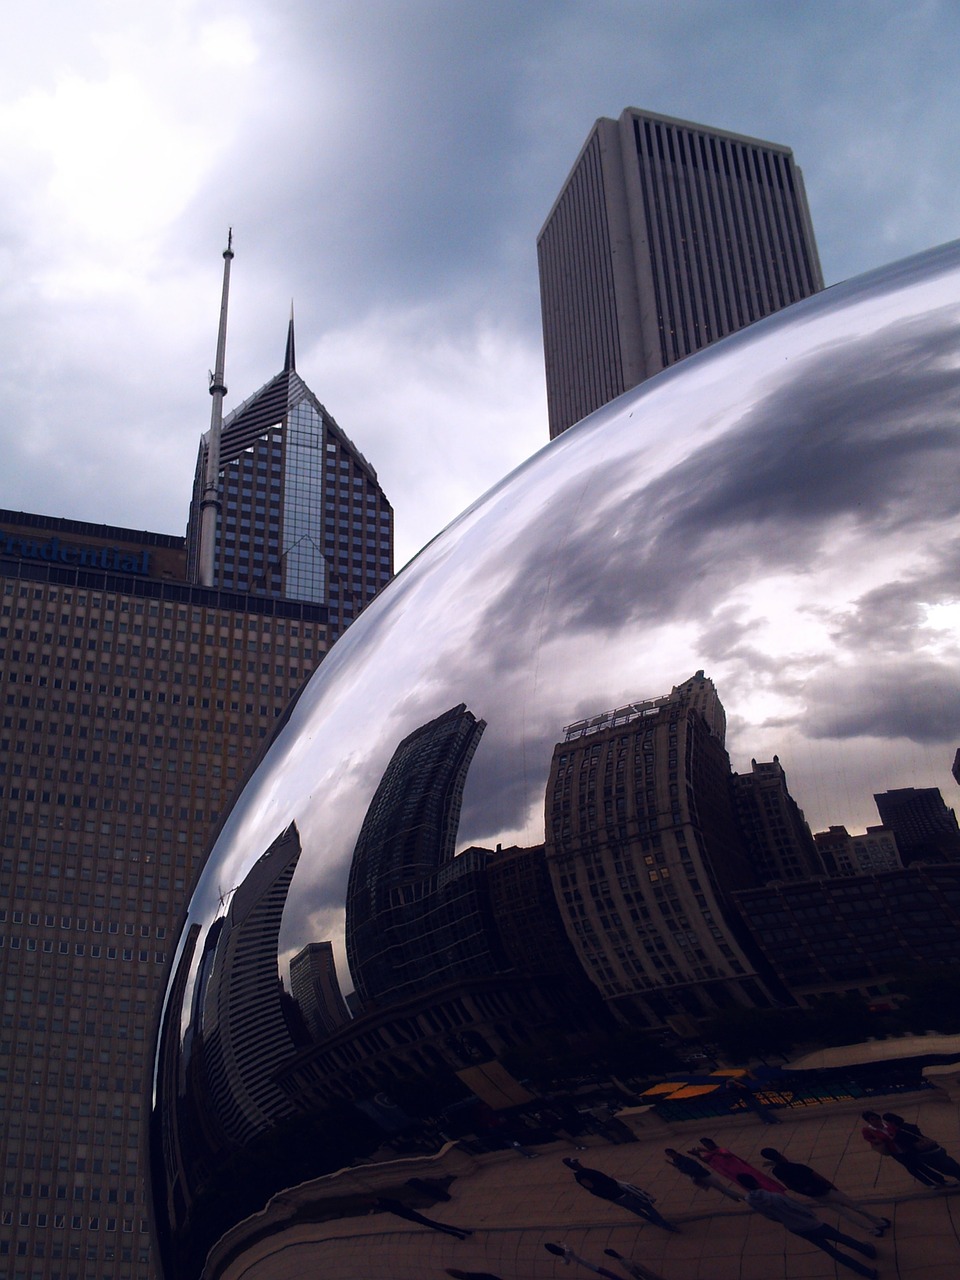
point(777, 511)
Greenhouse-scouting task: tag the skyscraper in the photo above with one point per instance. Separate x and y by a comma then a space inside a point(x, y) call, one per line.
point(666, 236)
point(244, 1032)
point(302, 514)
point(924, 826)
point(315, 987)
point(408, 836)
point(773, 826)
point(644, 851)
point(134, 701)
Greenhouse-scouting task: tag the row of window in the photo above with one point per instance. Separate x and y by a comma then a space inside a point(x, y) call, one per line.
point(80, 922)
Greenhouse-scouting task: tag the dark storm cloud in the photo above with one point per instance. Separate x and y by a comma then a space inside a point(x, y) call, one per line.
point(866, 432)
point(891, 616)
point(397, 159)
point(918, 700)
point(730, 638)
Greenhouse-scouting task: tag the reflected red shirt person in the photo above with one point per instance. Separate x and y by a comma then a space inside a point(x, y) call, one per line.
point(730, 1166)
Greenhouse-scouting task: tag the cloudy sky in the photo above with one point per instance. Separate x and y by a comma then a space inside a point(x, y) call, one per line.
point(781, 510)
point(387, 163)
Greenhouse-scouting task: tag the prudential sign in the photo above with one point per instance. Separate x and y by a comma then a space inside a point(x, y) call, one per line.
point(53, 551)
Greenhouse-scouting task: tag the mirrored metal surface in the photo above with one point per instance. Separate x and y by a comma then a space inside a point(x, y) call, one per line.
point(502, 814)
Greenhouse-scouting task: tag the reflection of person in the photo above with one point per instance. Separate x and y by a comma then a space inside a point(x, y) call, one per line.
point(803, 1222)
point(731, 1166)
point(807, 1182)
point(625, 1194)
point(927, 1150)
point(699, 1174)
point(882, 1138)
point(567, 1257)
point(384, 1204)
point(635, 1270)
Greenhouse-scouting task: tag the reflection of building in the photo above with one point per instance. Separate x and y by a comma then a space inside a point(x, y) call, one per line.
point(666, 236)
point(245, 1035)
point(175, 1136)
point(475, 1019)
point(139, 701)
point(643, 849)
point(856, 932)
point(776, 834)
point(923, 825)
point(525, 909)
point(845, 855)
point(415, 915)
point(315, 987)
point(303, 516)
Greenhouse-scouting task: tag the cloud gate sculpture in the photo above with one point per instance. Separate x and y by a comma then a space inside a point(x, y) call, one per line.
point(504, 821)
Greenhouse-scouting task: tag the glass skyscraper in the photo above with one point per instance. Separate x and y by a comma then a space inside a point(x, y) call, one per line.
point(135, 701)
point(302, 515)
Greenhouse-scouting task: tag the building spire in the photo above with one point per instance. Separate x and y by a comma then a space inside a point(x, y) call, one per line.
point(210, 502)
point(290, 359)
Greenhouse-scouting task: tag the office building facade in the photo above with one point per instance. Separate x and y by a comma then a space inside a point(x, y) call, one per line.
point(665, 237)
point(843, 854)
point(315, 988)
point(925, 828)
point(777, 837)
point(133, 704)
point(857, 934)
point(302, 514)
point(416, 917)
point(644, 850)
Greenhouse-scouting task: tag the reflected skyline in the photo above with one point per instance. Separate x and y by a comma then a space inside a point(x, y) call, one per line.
point(515, 825)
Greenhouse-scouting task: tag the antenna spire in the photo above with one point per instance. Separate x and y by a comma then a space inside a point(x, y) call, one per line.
point(290, 358)
point(210, 502)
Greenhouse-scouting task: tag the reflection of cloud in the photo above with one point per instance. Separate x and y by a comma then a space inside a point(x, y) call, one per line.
point(891, 616)
point(872, 430)
point(919, 700)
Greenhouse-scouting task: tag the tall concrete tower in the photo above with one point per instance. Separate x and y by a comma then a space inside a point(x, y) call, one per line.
point(666, 236)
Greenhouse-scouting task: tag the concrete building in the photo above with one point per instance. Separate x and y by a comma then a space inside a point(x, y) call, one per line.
point(844, 854)
point(133, 703)
point(315, 987)
point(666, 236)
point(772, 823)
point(923, 825)
point(643, 849)
point(856, 934)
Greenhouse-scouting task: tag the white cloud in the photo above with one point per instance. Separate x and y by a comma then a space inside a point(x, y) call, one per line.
point(392, 175)
point(442, 415)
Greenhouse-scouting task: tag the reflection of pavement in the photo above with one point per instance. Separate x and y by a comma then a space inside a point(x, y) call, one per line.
point(516, 1205)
